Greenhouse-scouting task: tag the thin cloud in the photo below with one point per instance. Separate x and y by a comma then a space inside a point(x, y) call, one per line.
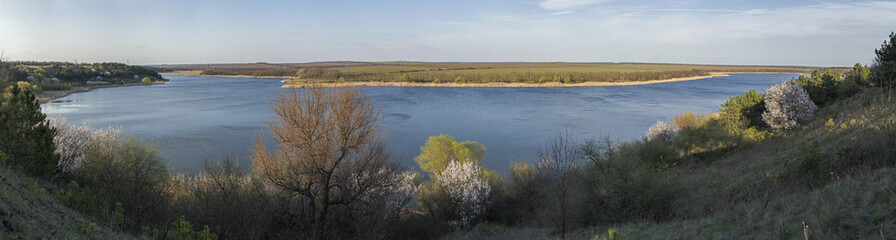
point(562, 12)
point(567, 4)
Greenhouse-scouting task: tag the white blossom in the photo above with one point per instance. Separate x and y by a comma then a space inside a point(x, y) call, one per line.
point(662, 129)
point(466, 190)
point(69, 142)
point(787, 104)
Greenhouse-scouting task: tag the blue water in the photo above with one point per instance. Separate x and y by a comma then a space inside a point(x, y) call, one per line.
point(195, 119)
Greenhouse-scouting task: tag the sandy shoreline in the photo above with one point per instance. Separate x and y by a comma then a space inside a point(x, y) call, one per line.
point(498, 84)
point(198, 74)
point(49, 96)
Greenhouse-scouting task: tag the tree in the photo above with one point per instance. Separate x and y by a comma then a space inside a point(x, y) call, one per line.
point(558, 163)
point(25, 134)
point(787, 104)
point(467, 191)
point(331, 153)
point(441, 150)
point(744, 110)
point(146, 80)
point(883, 67)
point(859, 74)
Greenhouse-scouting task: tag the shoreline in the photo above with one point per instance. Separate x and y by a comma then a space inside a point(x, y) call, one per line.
point(497, 84)
point(49, 96)
point(197, 74)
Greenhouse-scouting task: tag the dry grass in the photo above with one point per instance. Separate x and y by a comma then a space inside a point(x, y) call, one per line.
point(28, 211)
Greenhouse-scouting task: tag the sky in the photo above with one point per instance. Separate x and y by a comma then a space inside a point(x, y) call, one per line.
point(743, 32)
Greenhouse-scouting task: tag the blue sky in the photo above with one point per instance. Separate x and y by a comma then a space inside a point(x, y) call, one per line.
point(816, 33)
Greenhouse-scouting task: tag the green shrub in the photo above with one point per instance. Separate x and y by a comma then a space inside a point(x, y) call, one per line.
point(810, 161)
point(129, 172)
point(744, 110)
point(26, 136)
point(146, 80)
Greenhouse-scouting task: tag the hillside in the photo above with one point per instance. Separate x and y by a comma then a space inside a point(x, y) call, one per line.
point(833, 178)
point(29, 211)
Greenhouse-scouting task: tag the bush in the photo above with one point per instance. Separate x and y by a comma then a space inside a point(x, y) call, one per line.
point(466, 190)
point(69, 142)
point(226, 198)
point(524, 192)
point(744, 110)
point(662, 130)
point(787, 104)
point(883, 67)
point(25, 134)
point(146, 81)
point(126, 171)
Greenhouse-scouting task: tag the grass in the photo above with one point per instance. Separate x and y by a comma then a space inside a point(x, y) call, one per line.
point(28, 211)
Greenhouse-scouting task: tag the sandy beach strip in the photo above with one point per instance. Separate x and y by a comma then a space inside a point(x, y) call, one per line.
point(495, 84)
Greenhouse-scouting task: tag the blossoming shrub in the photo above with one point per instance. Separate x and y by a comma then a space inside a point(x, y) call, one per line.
point(466, 190)
point(662, 130)
point(787, 104)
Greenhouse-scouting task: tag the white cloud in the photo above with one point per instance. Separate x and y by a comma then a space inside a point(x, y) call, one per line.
point(562, 12)
point(567, 4)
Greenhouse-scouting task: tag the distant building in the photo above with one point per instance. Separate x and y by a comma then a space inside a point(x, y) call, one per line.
point(136, 77)
point(98, 78)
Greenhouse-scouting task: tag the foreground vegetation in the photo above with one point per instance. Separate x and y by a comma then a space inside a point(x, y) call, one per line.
point(811, 158)
point(465, 73)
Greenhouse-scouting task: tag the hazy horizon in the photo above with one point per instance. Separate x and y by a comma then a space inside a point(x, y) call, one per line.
point(794, 33)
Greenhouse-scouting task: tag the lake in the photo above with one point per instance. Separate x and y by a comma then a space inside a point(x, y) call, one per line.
point(198, 119)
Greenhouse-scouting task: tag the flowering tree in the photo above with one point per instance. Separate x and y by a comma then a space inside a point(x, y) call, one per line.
point(663, 130)
point(786, 105)
point(466, 190)
point(69, 142)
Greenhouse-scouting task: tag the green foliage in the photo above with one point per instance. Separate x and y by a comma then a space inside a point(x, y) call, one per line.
point(146, 80)
point(612, 234)
point(460, 79)
point(87, 228)
point(181, 229)
point(811, 161)
point(744, 110)
point(437, 80)
point(25, 135)
point(129, 172)
point(708, 137)
point(441, 150)
point(883, 68)
point(542, 79)
point(859, 74)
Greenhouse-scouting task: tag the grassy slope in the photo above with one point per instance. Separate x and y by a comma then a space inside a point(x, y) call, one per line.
point(30, 212)
point(755, 193)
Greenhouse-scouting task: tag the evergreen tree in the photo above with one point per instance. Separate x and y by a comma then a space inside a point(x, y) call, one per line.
point(883, 69)
point(25, 134)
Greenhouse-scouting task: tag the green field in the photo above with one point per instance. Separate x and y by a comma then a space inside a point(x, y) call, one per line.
point(510, 72)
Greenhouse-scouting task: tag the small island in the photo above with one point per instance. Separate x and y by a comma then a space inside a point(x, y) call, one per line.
point(474, 74)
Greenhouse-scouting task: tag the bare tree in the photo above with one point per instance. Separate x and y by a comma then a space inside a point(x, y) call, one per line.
point(558, 162)
point(331, 153)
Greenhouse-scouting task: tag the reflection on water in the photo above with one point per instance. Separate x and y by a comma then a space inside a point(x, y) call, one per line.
point(195, 119)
